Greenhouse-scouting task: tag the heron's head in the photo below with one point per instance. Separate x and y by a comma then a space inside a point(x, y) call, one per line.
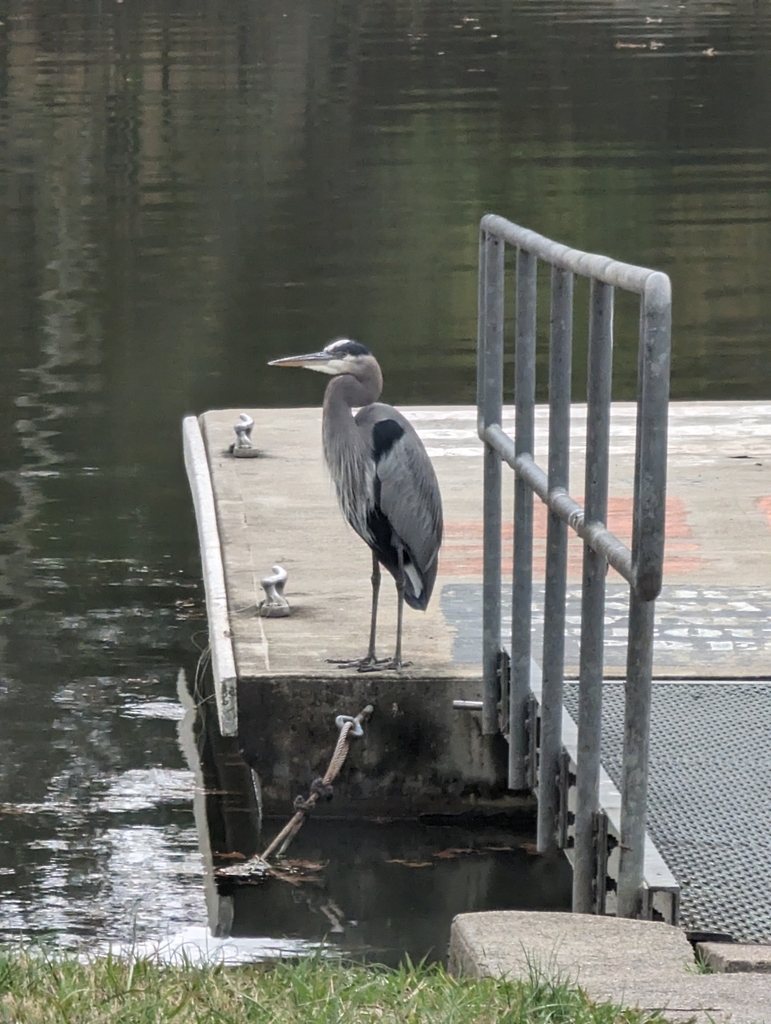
point(339, 356)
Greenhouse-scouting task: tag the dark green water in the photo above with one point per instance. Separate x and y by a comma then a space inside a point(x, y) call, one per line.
point(189, 190)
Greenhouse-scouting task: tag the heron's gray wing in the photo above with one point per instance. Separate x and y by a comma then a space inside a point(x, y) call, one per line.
point(407, 490)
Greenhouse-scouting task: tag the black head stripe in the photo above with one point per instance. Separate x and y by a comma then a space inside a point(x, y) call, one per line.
point(346, 347)
point(385, 434)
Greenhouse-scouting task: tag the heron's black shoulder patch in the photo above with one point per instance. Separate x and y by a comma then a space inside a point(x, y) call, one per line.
point(385, 434)
point(346, 347)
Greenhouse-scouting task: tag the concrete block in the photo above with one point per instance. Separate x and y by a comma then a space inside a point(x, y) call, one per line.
point(637, 964)
point(736, 957)
point(577, 947)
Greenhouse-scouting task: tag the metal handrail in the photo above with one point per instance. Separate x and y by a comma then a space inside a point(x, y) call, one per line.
point(641, 566)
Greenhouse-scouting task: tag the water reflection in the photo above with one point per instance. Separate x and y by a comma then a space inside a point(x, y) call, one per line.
point(86, 872)
point(186, 193)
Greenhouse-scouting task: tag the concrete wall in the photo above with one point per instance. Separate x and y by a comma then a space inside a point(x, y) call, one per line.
point(417, 756)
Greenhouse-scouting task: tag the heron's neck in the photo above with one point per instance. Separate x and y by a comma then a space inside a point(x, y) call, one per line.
point(343, 445)
point(346, 392)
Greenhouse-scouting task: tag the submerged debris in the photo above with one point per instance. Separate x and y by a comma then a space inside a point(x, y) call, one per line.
point(296, 872)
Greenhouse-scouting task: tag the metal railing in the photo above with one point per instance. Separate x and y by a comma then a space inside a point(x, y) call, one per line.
point(641, 566)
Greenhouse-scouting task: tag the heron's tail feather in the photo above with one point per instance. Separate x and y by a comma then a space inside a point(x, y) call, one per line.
point(418, 586)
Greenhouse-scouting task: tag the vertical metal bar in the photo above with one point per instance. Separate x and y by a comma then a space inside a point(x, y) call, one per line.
point(599, 385)
point(522, 581)
point(490, 341)
point(651, 460)
point(634, 772)
point(560, 365)
point(648, 554)
point(481, 327)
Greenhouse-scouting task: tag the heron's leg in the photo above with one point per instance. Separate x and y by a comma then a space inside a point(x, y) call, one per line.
point(369, 662)
point(399, 617)
point(396, 662)
point(373, 619)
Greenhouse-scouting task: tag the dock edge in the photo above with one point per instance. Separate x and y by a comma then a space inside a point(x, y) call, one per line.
point(220, 641)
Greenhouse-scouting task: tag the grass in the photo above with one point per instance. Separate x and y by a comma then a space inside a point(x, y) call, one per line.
point(700, 964)
point(38, 987)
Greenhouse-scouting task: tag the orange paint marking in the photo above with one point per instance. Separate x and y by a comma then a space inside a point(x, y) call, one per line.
point(462, 546)
point(765, 507)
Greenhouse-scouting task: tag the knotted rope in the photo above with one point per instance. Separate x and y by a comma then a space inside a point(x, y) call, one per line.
point(321, 788)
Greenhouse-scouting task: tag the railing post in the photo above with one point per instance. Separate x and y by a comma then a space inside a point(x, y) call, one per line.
point(490, 403)
point(598, 396)
point(560, 363)
point(648, 557)
point(634, 772)
point(522, 581)
point(651, 453)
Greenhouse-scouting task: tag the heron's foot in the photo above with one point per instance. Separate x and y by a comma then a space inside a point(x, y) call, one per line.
point(370, 664)
point(383, 665)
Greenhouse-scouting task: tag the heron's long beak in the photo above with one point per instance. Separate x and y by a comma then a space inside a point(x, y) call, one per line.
point(301, 360)
point(312, 361)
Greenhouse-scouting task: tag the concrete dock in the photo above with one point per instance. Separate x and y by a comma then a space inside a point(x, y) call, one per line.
point(713, 634)
point(281, 508)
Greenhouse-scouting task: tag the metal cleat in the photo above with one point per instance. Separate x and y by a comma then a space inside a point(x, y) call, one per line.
point(275, 605)
point(242, 447)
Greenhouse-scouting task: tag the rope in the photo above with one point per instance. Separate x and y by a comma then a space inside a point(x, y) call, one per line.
point(321, 788)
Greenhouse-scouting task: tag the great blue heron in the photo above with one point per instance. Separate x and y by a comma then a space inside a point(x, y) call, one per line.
point(385, 482)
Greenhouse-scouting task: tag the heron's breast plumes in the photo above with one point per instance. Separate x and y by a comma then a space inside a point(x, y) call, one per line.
point(353, 473)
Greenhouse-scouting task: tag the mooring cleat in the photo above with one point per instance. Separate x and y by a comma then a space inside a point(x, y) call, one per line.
point(243, 447)
point(275, 605)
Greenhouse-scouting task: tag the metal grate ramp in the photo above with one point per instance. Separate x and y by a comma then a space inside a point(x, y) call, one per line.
point(709, 799)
